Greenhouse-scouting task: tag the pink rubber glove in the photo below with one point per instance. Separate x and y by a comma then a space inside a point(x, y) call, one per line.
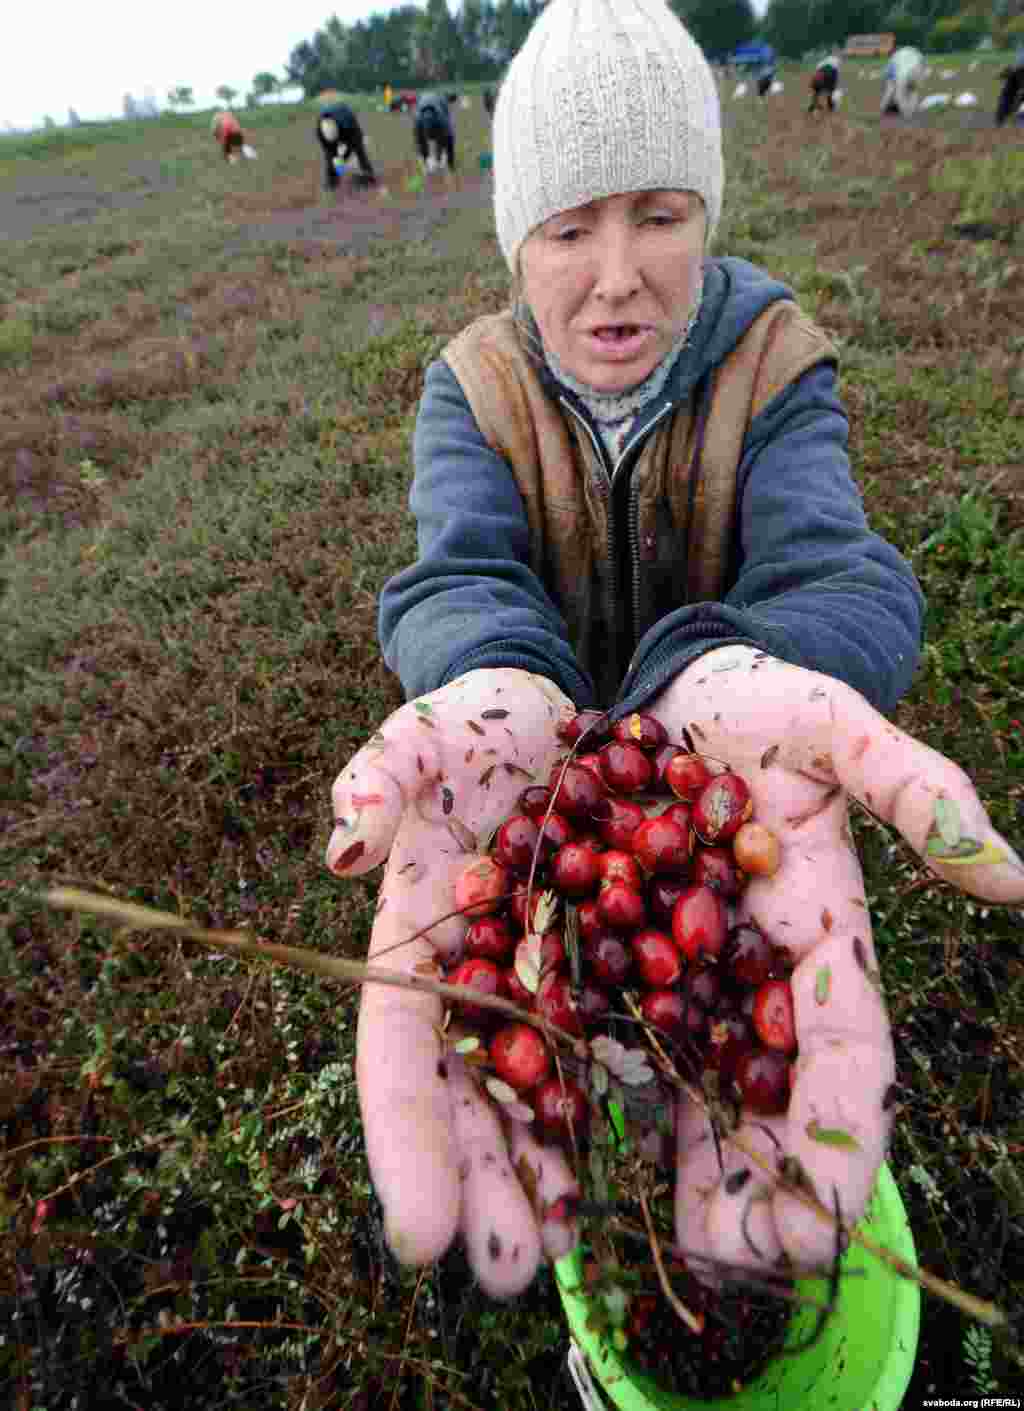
point(444, 771)
point(804, 741)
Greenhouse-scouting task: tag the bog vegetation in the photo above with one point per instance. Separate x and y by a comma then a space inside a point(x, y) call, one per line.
point(207, 384)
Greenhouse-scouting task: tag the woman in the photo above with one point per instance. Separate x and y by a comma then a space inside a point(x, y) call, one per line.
point(903, 74)
point(632, 490)
point(228, 134)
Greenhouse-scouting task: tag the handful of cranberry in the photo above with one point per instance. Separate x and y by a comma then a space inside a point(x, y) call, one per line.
point(620, 874)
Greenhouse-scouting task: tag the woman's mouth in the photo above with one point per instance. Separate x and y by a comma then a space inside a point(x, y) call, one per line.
point(619, 341)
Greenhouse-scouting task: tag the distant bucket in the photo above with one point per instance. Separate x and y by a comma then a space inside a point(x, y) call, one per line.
point(486, 161)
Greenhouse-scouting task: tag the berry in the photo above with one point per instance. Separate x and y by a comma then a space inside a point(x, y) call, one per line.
point(748, 954)
point(699, 922)
point(575, 870)
point(560, 1106)
point(520, 1056)
point(655, 958)
point(621, 907)
point(716, 867)
point(555, 1003)
point(625, 768)
point(516, 842)
point(642, 730)
point(757, 850)
point(722, 806)
point(476, 974)
point(480, 886)
point(686, 775)
point(661, 845)
point(608, 958)
point(616, 820)
point(762, 1077)
point(773, 1016)
point(491, 938)
point(578, 790)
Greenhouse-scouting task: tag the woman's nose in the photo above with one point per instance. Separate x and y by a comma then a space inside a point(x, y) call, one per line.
point(617, 269)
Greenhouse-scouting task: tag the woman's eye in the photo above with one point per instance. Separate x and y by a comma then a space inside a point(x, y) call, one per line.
point(569, 234)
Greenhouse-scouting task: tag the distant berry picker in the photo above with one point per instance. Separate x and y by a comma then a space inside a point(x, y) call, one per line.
point(230, 137)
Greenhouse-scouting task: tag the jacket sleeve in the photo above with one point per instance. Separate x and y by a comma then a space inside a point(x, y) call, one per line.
point(812, 582)
point(471, 599)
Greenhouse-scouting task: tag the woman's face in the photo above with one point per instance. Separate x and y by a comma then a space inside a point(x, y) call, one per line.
point(612, 284)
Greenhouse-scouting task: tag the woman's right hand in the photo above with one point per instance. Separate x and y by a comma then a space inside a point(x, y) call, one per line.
point(424, 793)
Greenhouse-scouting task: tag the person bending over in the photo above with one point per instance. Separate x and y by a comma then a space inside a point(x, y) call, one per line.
point(339, 134)
point(434, 131)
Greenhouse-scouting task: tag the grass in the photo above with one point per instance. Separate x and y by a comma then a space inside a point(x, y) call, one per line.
point(203, 472)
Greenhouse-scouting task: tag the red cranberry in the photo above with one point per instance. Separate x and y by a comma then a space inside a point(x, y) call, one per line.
point(577, 792)
point(703, 986)
point(668, 1011)
point(748, 954)
point(773, 1016)
point(490, 937)
point(535, 801)
point(520, 1056)
point(479, 975)
point(511, 987)
point(660, 760)
point(616, 865)
point(555, 1003)
point(640, 729)
point(686, 775)
point(762, 1076)
point(723, 805)
point(626, 768)
point(716, 867)
point(699, 922)
point(590, 922)
point(621, 907)
point(516, 842)
point(555, 832)
point(593, 724)
point(661, 845)
point(574, 870)
point(607, 958)
point(616, 820)
point(655, 957)
point(757, 850)
point(560, 1106)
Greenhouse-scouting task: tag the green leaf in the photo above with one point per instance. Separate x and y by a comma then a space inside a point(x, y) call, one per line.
point(831, 1136)
point(968, 852)
point(947, 821)
point(822, 984)
point(468, 1044)
point(617, 1118)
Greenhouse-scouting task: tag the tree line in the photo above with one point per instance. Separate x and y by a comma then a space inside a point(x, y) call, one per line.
point(414, 46)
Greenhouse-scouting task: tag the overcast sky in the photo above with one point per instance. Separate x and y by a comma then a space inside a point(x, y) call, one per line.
point(88, 56)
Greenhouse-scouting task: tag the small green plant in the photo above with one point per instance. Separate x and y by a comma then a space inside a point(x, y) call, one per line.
point(16, 338)
point(977, 1350)
point(93, 478)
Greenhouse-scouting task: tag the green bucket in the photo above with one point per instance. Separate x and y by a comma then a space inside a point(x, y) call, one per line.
point(862, 1361)
point(486, 161)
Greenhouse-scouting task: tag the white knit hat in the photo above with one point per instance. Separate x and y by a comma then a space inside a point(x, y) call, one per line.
point(604, 97)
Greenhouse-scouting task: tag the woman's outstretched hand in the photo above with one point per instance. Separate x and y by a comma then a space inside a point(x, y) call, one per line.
point(427, 790)
point(804, 742)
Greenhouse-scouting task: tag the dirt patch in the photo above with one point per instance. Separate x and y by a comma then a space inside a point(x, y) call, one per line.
point(361, 216)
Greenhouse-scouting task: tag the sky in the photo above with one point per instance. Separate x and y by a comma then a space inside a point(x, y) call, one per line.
point(87, 57)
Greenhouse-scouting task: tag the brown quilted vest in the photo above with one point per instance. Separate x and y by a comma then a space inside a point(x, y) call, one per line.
point(682, 523)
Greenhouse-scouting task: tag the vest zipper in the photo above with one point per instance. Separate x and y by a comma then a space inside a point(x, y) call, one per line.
point(632, 515)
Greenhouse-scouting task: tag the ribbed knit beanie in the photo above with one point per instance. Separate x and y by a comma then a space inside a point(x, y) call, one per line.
point(604, 97)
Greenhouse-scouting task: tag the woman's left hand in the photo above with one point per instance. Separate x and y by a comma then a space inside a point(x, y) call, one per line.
point(803, 742)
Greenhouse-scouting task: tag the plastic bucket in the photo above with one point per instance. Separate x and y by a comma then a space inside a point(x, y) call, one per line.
point(862, 1361)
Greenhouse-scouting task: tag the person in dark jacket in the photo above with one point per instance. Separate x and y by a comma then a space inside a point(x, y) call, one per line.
point(340, 136)
point(489, 102)
point(434, 131)
point(824, 82)
point(633, 491)
point(1011, 95)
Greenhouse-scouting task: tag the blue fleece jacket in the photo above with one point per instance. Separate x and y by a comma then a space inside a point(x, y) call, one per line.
point(809, 582)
